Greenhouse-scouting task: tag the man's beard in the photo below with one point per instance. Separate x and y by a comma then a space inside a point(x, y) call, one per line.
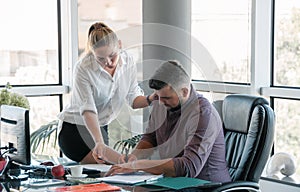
point(175, 108)
point(180, 100)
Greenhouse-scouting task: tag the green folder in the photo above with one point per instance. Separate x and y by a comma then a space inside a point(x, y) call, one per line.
point(178, 183)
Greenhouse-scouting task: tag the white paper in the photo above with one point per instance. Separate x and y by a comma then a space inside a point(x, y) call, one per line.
point(131, 178)
point(45, 182)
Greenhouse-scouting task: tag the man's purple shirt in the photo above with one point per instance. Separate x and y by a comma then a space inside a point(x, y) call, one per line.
point(192, 136)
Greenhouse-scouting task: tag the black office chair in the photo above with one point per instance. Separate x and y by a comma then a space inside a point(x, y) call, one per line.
point(249, 132)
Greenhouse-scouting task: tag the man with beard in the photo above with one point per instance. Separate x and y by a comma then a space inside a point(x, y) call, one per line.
point(185, 129)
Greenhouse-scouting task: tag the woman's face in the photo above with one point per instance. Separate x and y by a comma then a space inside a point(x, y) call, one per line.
point(107, 56)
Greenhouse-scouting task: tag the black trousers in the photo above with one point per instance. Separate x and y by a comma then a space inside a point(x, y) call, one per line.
point(76, 142)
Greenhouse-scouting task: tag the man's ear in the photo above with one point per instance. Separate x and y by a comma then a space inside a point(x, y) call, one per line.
point(185, 92)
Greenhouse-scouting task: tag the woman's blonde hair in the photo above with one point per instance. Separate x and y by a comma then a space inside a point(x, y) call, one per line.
point(100, 35)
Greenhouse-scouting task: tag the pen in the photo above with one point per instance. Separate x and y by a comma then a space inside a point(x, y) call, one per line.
point(106, 162)
point(126, 155)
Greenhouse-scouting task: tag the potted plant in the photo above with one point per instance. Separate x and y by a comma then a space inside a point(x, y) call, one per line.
point(126, 145)
point(44, 137)
point(8, 97)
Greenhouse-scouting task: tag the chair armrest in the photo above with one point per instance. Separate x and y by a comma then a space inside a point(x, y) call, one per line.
point(237, 186)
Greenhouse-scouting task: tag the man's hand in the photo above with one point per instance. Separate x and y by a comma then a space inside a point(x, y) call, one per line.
point(127, 158)
point(121, 168)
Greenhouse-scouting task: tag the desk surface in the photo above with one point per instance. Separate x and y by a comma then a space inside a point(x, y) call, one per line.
point(23, 186)
point(7, 183)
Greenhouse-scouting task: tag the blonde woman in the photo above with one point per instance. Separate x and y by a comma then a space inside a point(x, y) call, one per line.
point(105, 77)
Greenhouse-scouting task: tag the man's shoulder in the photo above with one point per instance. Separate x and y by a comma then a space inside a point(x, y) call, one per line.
point(202, 101)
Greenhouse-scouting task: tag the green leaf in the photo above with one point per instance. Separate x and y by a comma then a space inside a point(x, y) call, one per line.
point(129, 143)
point(41, 138)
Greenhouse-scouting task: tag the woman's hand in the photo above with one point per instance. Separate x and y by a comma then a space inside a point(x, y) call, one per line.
point(105, 155)
point(99, 152)
point(153, 96)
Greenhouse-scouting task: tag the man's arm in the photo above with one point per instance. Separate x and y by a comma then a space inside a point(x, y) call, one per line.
point(143, 150)
point(164, 166)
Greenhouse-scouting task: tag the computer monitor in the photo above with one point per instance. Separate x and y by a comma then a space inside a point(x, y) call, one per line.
point(14, 132)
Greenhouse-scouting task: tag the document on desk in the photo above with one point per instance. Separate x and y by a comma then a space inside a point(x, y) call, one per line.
point(131, 178)
point(100, 167)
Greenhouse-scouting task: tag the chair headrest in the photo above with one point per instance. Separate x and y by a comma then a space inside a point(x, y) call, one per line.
point(237, 111)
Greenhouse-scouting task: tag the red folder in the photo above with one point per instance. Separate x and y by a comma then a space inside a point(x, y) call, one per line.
point(95, 187)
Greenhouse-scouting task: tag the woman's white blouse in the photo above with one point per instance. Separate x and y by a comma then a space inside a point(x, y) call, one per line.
point(94, 89)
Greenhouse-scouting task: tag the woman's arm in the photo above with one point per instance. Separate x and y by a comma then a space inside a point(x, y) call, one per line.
point(91, 122)
point(143, 101)
point(100, 149)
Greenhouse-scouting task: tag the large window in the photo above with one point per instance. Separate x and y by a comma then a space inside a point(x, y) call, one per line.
point(29, 42)
point(286, 72)
point(287, 137)
point(221, 40)
point(29, 57)
point(41, 114)
point(287, 43)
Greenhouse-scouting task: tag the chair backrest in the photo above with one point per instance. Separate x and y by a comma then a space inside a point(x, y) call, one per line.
point(249, 133)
